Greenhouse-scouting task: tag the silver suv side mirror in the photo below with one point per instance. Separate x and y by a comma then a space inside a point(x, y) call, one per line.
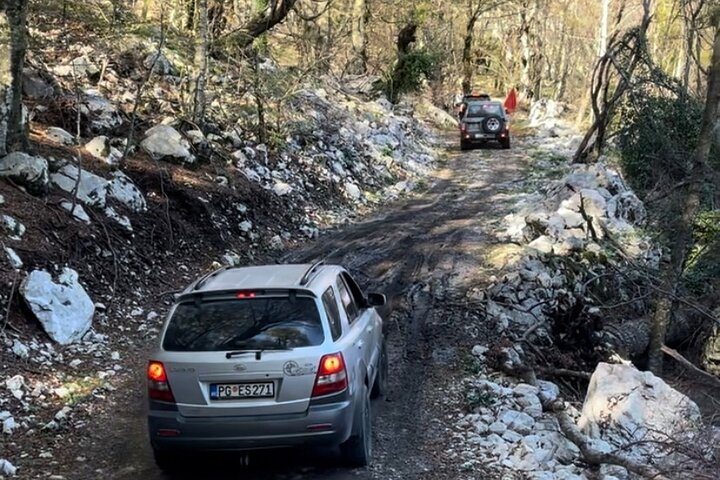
point(376, 300)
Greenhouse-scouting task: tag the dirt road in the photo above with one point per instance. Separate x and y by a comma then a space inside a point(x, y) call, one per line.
point(428, 255)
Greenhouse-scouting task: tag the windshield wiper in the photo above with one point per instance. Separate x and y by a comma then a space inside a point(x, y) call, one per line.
point(257, 352)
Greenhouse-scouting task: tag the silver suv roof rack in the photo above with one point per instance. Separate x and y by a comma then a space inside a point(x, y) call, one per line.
point(210, 275)
point(310, 271)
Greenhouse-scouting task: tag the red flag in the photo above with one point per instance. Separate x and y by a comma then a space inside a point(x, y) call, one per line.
point(511, 101)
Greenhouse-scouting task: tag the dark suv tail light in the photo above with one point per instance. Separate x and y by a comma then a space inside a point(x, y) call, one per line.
point(158, 386)
point(331, 377)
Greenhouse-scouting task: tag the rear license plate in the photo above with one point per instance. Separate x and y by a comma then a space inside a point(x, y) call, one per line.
point(234, 391)
point(483, 135)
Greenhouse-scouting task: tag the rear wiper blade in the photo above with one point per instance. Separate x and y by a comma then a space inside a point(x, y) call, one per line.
point(258, 353)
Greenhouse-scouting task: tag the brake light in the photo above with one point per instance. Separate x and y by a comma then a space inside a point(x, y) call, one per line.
point(463, 127)
point(245, 294)
point(331, 377)
point(158, 386)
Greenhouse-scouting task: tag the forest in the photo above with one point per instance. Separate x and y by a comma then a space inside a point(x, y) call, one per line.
point(144, 142)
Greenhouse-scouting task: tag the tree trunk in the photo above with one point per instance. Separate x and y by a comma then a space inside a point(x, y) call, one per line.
point(263, 21)
point(201, 63)
point(682, 234)
point(190, 15)
point(216, 18)
point(359, 36)
point(13, 32)
point(467, 56)
point(602, 43)
point(525, 50)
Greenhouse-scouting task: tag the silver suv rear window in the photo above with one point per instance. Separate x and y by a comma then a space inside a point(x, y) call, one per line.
point(253, 323)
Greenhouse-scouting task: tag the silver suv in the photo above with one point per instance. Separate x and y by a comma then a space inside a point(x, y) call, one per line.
point(266, 357)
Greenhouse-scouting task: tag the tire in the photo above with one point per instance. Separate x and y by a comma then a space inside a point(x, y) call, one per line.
point(505, 142)
point(168, 462)
point(379, 387)
point(357, 450)
point(493, 124)
point(464, 145)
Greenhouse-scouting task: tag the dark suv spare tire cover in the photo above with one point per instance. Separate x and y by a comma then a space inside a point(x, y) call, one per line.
point(493, 124)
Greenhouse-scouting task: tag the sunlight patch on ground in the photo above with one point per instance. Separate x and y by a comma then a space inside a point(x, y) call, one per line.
point(503, 255)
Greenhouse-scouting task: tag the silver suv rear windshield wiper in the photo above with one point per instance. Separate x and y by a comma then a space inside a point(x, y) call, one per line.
point(258, 352)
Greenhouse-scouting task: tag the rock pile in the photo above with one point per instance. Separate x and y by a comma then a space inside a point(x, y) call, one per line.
point(625, 411)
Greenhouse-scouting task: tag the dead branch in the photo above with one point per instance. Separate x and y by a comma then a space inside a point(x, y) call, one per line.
point(9, 305)
point(564, 372)
point(588, 219)
point(573, 433)
point(689, 365)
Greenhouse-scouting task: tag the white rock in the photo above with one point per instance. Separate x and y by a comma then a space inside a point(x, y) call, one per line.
point(62, 414)
point(9, 425)
point(479, 350)
point(163, 141)
point(353, 191)
point(122, 189)
point(28, 171)
point(231, 259)
point(516, 421)
point(246, 226)
point(281, 188)
point(7, 468)
point(20, 349)
point(92, 189)
point(99, 147)
point(624, 404)
point(497, 427)
point(58, 135)
point(159, 63)
point(542, 244)
point(15, 385)
point(64, 308)
point(123, 220)
point(549, 390)
point(78, 212)
point(14, 229)
point(99, 110)
point(196, 137)
point(14, 258)
point(627, 207)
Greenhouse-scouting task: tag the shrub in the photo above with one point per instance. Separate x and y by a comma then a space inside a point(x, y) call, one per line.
point(656, 136)
point(410, 71)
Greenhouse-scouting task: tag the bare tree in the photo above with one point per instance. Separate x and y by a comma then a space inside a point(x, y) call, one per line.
point(272, 14)
point(13, 30)
point(359, 36)
point(201, 63)
point(612, 78)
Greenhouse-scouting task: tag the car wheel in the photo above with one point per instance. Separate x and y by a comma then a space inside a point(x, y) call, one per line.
point(357, 450)
point(464, 145)
point(380, 385)
point(505, 142)
point(167, 461)
point(493, 124)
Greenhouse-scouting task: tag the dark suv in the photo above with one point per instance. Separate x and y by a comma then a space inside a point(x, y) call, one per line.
point(484, 121)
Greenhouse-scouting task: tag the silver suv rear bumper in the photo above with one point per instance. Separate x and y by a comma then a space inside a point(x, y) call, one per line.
point(322, 424)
